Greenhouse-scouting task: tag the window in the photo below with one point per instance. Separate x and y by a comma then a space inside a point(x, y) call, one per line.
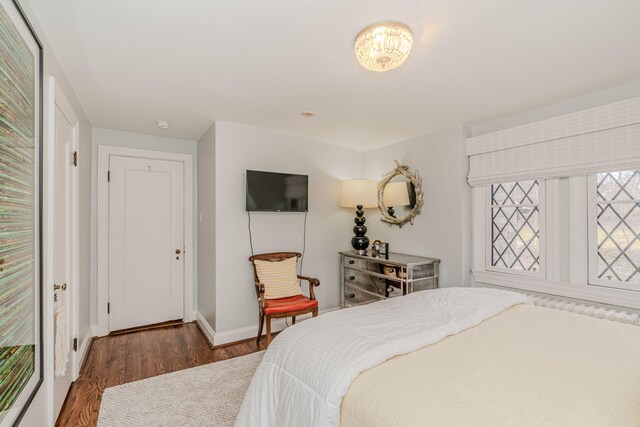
point(515, 226)
point(575, 236)
point(615, 259)
point(578, 236)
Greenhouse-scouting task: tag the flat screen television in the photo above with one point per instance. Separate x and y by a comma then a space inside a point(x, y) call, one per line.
point(277, 192)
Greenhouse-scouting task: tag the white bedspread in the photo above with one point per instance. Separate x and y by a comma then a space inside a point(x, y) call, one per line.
point(308, 368)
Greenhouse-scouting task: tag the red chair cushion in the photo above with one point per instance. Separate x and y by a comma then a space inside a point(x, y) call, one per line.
point(284, 305)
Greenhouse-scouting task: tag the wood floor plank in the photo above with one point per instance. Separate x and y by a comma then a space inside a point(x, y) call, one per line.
point(122, 358)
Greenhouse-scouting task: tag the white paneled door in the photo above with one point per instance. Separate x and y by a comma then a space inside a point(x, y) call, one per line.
point(146, 241)
point(63, 287)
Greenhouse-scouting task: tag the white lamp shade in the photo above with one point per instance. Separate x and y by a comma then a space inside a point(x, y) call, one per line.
point(396, 194)
point(359, 192)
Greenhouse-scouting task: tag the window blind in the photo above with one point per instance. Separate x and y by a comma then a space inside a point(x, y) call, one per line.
point(589, 141)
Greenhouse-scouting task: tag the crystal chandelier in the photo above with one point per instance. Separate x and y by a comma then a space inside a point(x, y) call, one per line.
point(383, 46)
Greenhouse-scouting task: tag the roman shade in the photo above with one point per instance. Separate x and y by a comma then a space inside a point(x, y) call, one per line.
point(588, 141)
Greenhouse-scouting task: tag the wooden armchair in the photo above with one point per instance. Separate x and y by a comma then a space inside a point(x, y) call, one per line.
point(282, 307)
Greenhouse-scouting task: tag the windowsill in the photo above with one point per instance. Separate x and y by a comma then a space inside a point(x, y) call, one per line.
point(600, 294)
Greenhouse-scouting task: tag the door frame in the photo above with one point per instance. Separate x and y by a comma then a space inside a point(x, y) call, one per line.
point(57, 99)
point(104, 154)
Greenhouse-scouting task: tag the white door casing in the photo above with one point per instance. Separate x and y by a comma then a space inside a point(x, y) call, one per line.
point(101, 327)
point(146, 241)
point(65, 235)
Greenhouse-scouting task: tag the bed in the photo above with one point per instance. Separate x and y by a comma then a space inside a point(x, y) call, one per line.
point(449, 357)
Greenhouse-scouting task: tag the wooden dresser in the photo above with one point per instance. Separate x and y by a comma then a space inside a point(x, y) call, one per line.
point(370, 278)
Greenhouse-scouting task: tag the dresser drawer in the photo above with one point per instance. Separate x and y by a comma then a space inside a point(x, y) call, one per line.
point(377, 266)
point(354, 295)
point(355, 263)
point(374, 285)
point(364, 281)
point(421, 285)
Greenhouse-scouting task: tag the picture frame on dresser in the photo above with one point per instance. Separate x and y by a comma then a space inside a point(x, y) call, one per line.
point(384, 249)
point(21, 326)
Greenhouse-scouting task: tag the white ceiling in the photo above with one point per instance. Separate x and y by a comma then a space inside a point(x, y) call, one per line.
point(263, 62)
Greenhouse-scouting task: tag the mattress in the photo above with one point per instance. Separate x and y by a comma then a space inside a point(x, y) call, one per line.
point(528, 366)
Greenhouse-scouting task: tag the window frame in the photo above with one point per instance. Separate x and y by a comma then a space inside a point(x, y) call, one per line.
point(541, 272)
point(592, 237)
point(578, 286)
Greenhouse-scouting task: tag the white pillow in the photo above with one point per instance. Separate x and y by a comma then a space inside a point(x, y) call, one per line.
point(280, 278)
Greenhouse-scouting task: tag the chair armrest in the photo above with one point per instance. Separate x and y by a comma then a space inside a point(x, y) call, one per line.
point(313, 282)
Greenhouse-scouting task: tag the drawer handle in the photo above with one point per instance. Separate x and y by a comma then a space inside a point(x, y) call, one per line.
point(351, 261)
point(352, 277)
point(352, 295)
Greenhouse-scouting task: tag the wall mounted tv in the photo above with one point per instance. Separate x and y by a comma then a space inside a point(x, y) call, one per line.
point(277, 192)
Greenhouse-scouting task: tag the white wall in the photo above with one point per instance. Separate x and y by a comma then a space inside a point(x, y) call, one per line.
point(239, 148)
point(595, 99)
point(40, 412)
point(206, 226)
point(442, 230)
point(141, 142)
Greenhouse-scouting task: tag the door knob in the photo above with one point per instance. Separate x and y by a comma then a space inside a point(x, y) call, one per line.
point(178, 251)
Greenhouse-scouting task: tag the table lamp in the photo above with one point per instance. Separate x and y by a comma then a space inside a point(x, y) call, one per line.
point(359, 194)
point(395, 194)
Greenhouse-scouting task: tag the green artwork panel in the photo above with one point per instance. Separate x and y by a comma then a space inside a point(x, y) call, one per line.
point(17, 214)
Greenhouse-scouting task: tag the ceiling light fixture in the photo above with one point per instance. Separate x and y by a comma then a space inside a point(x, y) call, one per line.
point(163, 124)
point(383, 46)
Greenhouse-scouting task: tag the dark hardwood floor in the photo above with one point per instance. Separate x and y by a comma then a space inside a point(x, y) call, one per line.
point(134, 356)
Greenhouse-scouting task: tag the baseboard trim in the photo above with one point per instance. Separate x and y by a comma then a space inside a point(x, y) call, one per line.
point(206, 328)
point(242, 334)
point(83, 351)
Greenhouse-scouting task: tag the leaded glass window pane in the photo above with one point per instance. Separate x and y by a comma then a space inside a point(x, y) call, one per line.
point(618, 222)
point(515, 226)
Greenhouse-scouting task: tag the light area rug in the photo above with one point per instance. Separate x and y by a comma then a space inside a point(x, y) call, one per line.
point(208, 395)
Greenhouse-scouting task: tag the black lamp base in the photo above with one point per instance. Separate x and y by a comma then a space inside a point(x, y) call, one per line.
point(391, 211)
point(359, 244)
point(360, 241)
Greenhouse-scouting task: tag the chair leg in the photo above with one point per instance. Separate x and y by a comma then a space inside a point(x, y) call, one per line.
point(268, 330)
point(293, 321)
point(315, 312)
point(260, 329)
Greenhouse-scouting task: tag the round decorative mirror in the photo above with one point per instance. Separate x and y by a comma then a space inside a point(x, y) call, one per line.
point(400, 196)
